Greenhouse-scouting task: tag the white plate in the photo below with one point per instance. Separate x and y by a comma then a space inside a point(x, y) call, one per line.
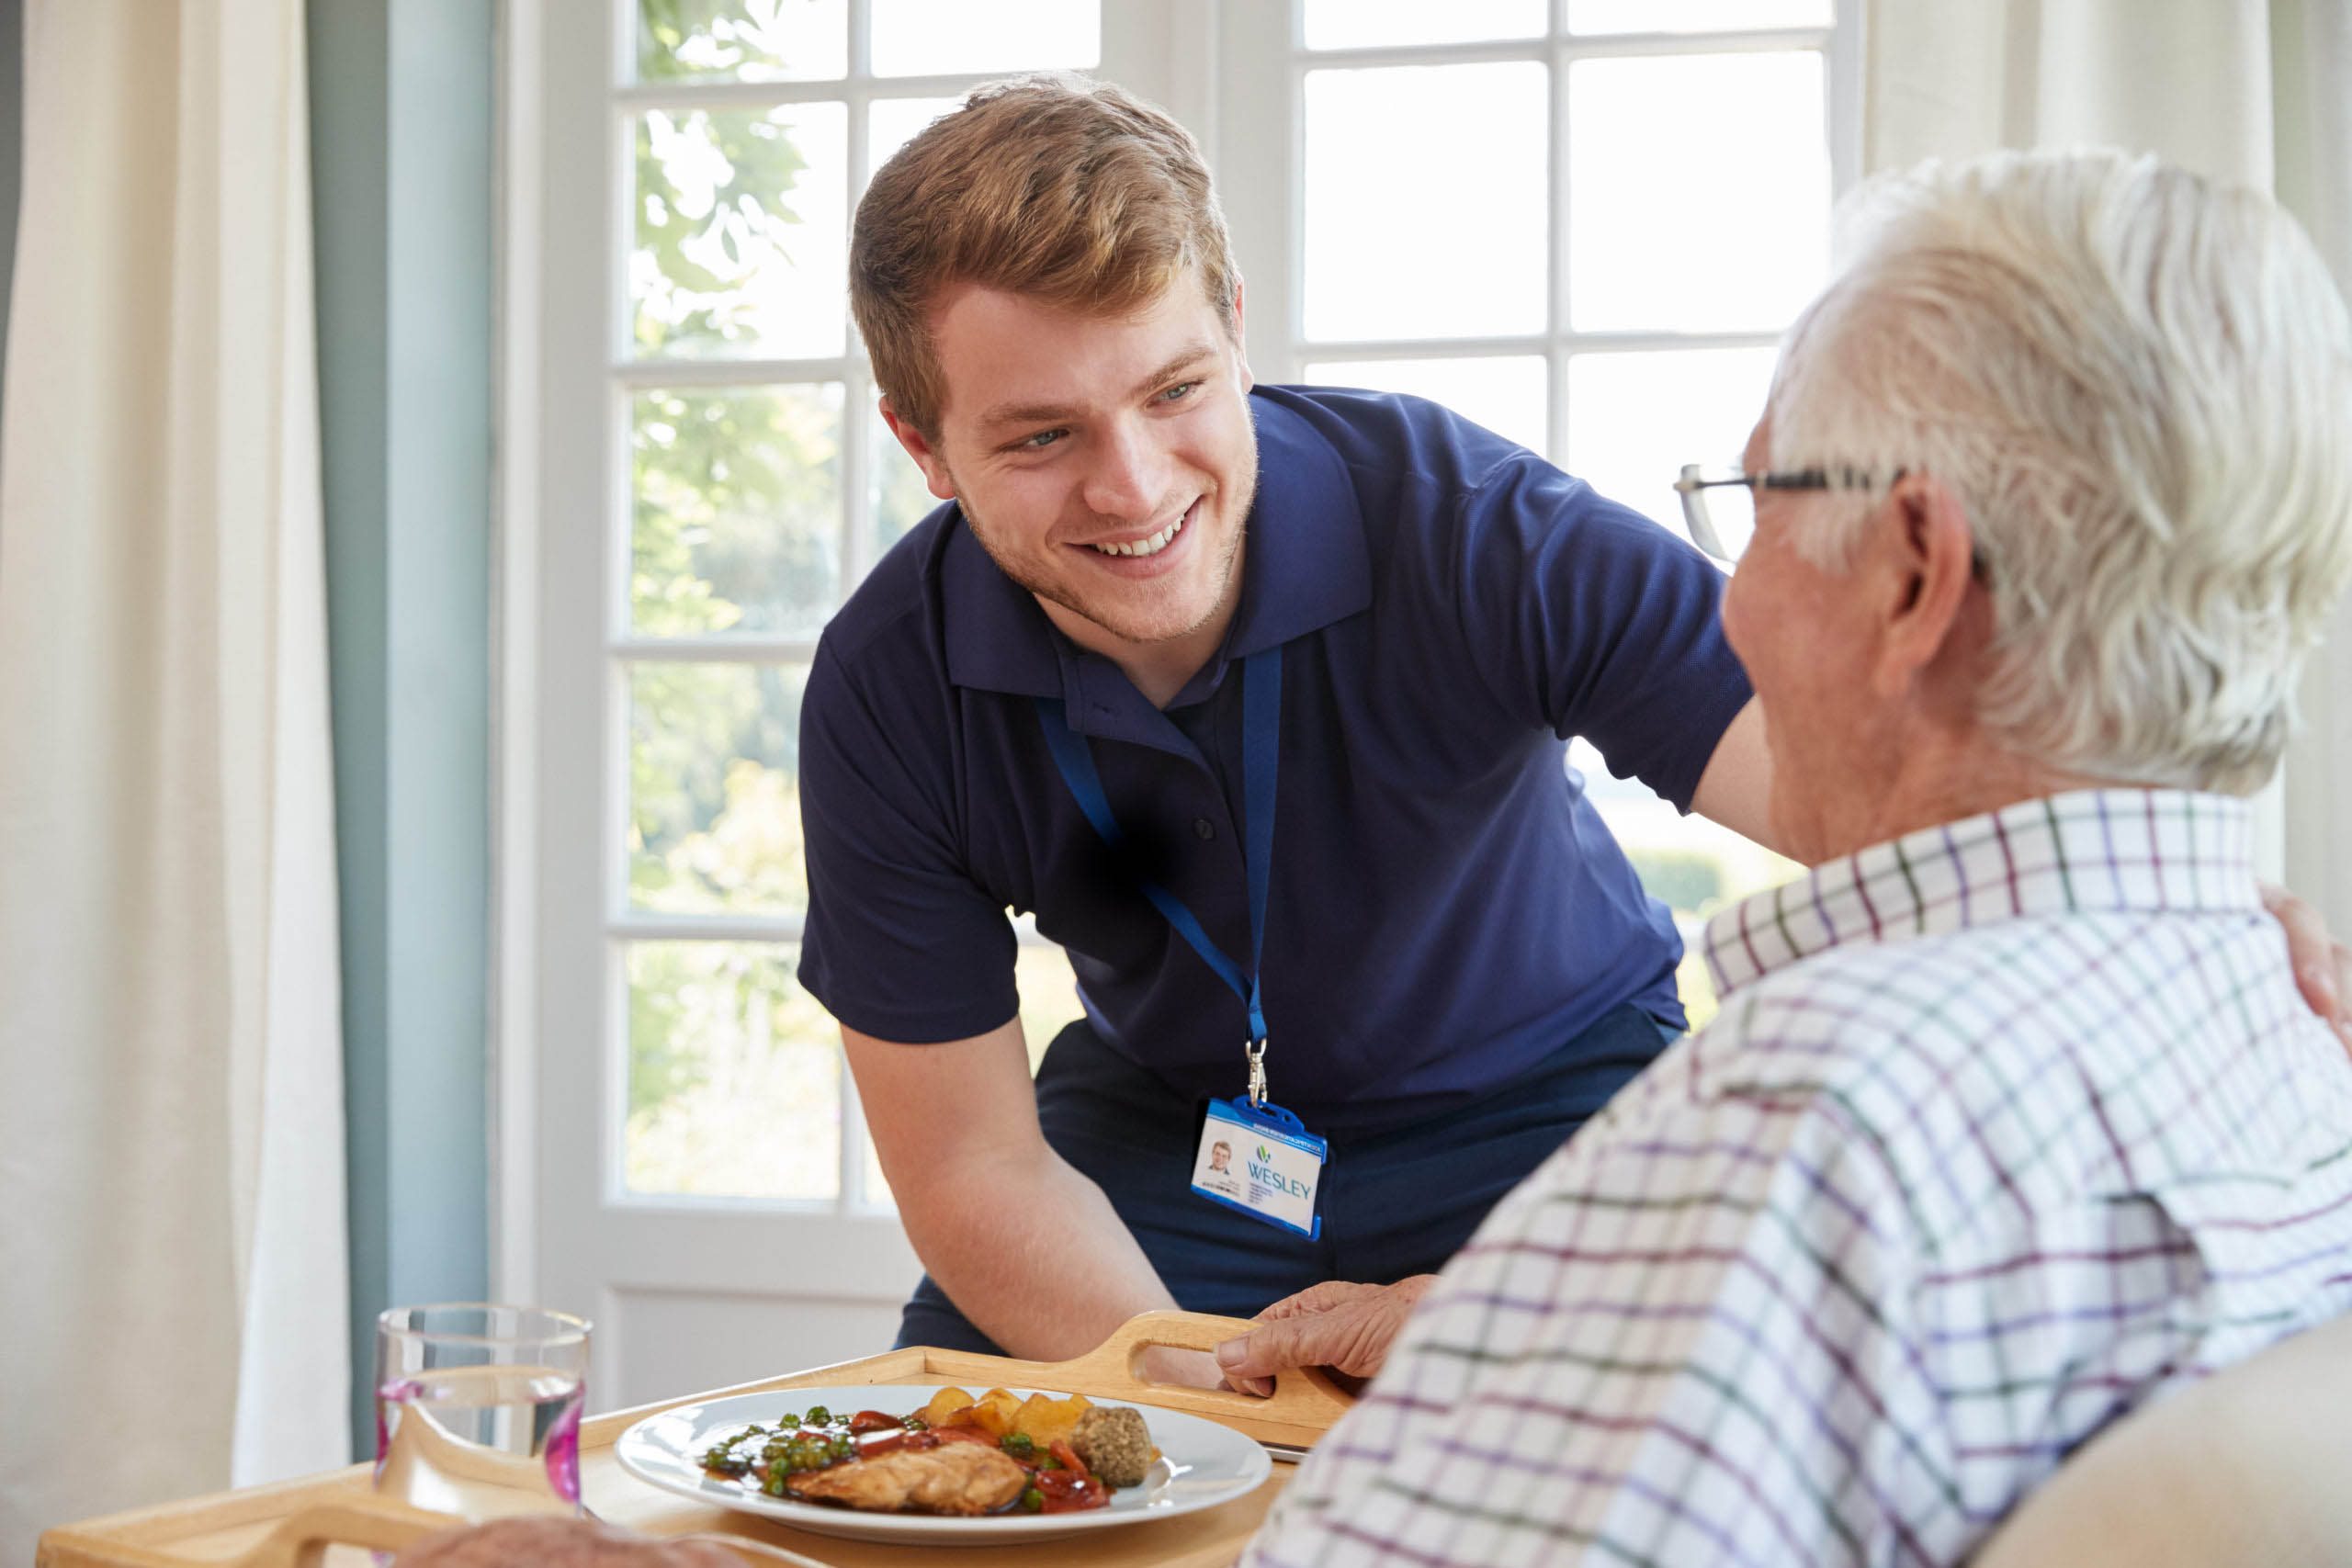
point(1202, 1464)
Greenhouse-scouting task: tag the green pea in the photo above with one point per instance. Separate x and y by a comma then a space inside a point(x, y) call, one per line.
point(818, 1416)
point(1033, 1501)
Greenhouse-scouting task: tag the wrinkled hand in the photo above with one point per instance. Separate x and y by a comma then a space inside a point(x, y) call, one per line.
point(2323, 965)
point(1345, 1326)
point(558, 1543)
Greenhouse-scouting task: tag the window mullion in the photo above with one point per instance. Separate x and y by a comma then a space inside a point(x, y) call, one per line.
point(1556, 357)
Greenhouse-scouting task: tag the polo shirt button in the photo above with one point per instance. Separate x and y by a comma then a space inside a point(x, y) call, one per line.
point(1204, 828)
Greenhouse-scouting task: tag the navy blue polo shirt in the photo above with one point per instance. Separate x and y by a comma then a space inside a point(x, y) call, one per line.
point(1447, 908)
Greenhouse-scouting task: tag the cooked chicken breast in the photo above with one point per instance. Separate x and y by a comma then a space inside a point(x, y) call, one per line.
point(954, 1478)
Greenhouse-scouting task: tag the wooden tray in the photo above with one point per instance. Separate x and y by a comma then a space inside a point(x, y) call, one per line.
point(331, 1520)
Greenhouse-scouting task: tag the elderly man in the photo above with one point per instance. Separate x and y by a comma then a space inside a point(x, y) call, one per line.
point(2012, 1114)
point(2011, 1117)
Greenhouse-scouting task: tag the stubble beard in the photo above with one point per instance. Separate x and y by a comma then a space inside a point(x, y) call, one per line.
point(1061, 593)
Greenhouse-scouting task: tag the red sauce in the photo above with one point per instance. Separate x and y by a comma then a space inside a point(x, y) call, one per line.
point(892, 1442)
point(1070, 1491)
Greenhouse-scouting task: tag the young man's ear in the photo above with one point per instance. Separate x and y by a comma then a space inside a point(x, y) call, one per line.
point(1927, 558)
point(919, 447)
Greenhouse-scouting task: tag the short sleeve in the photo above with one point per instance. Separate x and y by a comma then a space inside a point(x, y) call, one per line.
point(1589, 618)
point(901, 943)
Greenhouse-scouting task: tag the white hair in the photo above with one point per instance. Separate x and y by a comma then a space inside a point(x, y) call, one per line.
point(2140, 387)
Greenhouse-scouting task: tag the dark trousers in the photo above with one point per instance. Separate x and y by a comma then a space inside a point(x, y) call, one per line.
point(1393, 1203)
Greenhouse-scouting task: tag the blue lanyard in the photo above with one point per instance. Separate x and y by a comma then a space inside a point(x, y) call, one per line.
point(1261, 721)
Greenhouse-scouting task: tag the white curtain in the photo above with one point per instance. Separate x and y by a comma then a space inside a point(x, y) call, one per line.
point(173, 1294)
point(2250, 91)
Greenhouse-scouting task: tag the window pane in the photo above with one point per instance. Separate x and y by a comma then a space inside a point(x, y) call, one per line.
point(734, 1075)
point(1694, 16)
point(741, 248)
point(1634, 419)
point(902, 499)
point(713, 820)
point(892, 123)
point(1358, 24)
point(1048, 996)
point(1425, 201)
point(741, 41)
point(1678, 223)
point(739, 510)
point(1506, 394)
point(939, 38)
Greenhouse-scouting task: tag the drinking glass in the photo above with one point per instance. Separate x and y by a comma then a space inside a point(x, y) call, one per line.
point(477, 1408)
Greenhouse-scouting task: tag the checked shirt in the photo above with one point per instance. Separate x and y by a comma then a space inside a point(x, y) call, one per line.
point(2003, 1128)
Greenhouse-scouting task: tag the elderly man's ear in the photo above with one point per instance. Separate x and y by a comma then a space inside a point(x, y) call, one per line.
point(1922, 554)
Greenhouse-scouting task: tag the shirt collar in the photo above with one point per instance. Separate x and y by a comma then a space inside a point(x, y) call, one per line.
point(1305, 566)
point(2109, 850)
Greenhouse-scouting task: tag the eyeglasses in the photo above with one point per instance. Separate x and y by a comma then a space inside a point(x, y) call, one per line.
point(1723, 524)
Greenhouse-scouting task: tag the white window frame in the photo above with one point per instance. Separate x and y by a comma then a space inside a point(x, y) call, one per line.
point(1266, 61)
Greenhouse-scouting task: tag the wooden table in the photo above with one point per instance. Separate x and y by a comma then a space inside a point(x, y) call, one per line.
point(303, 1521)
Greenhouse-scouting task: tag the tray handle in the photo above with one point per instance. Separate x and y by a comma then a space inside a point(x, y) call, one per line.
point(1304, 1397)
point(380, 1524)
point(300, 1541)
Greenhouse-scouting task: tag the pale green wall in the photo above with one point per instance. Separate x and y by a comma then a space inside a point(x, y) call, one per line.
point(402, 151)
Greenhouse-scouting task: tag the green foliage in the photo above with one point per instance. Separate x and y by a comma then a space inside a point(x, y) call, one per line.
point(738, 513)
point(682, 39)
point(735, 528)
point(711, 213)
point(1681, 879)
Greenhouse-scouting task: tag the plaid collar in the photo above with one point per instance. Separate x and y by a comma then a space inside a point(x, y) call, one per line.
point(2090, 850)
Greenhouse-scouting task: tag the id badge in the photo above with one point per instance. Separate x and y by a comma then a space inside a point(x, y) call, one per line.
point(1263, 1161)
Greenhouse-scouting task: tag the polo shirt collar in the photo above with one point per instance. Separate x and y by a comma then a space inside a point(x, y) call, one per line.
point(2147, 851)
point(1305, 566)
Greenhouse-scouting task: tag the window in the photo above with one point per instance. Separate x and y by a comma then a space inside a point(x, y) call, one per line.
point(1583, 225)
point(762, 486)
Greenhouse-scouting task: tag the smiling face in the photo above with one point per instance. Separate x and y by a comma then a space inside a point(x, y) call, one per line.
point(1106, 464)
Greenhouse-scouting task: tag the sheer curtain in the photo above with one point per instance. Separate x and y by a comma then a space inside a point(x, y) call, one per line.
point(2252, 91)
point(172, 1255)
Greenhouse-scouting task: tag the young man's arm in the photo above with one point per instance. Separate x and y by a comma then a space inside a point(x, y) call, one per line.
point(1735, 790)
point(1026, 1247)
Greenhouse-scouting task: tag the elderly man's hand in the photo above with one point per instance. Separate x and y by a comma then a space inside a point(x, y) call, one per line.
point(2323, 965)
point(1347, 1327)
point(558, 1543)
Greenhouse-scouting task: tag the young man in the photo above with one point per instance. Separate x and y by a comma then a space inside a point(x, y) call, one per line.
point(1055, 695)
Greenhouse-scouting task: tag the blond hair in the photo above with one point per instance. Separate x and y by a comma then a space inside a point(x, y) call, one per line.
point(1055, 186)
point(2139, 383)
